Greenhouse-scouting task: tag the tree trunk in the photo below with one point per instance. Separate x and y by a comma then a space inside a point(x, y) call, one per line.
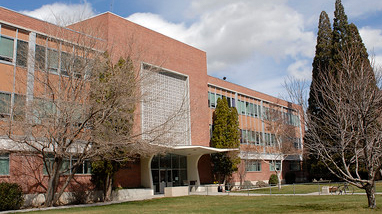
point(53, 182)
point(68, 179)
point(108, 188)
point(370, 192)
point(279, 179)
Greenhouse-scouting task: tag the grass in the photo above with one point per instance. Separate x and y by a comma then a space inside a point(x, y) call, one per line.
point(301, 189)
point(236, 204)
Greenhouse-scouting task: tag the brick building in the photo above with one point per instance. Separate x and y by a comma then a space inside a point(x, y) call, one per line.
point(179, 80)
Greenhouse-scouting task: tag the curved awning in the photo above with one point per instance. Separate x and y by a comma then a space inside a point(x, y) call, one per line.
point(197, 150)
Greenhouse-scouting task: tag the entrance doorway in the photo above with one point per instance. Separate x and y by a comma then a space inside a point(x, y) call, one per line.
point(168, 171)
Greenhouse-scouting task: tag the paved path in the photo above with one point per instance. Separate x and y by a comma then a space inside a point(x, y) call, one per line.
point(83, 205)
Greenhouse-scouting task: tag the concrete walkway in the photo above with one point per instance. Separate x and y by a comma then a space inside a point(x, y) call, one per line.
point(83, 205)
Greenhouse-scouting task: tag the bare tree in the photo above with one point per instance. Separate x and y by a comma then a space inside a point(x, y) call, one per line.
point(347, 135)
point(80, 104)
point(297, 92)
point(284, 139)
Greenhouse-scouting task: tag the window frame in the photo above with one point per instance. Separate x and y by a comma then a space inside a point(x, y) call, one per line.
point(22, 53)
point(253, 165)
point(7, 161)
point(4, 57)
point(276, 166)
point(7, 112)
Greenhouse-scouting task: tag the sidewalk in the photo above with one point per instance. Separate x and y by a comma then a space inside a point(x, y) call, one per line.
point(82, 205)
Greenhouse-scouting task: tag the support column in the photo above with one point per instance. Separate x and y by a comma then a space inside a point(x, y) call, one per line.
point(192, 169)
point(146, 176)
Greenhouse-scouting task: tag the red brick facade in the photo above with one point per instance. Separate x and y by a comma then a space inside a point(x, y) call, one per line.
point(126, 38)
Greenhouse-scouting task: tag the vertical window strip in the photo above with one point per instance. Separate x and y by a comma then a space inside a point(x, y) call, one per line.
point(6, 48)
point(4, 164)
point(5, 104)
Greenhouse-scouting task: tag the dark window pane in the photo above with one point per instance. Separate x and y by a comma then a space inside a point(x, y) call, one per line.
point(40, 57)
point(5, 104)
point(53, 58)
point(65, 63)
point(19, 107)
point(22, 53)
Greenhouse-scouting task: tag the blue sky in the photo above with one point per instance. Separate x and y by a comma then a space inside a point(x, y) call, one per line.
point(254, 43)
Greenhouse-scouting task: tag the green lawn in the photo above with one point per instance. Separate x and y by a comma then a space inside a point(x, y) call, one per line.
point(237, 204)
point(301, 189)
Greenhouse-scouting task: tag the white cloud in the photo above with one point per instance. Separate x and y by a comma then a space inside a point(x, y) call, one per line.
point(232, 31)
point(357, 8)
point(301, 69)
point(62, 14)
point(372, 38)
point(159, 24)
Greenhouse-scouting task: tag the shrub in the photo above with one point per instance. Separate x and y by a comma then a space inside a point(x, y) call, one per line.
point(273, 180)
point(290, 177)
point(247, 184)
point(261, 184)
point(11, 196)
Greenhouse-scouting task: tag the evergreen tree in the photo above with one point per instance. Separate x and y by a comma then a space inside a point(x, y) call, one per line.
point(225, 134)
point(344, 106)
point(322, 58)
point(340, 34)
point(321, 65)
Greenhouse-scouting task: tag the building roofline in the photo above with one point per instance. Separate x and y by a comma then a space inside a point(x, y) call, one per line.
point(46, 22)
point(125, 19)
point(248, 95)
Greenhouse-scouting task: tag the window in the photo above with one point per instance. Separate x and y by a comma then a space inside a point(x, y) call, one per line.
point(253, 166)
point(211, 100)
point(65, 63)
point(19, 107)
point(6, 49)
point(53, 60)
point(43, 109)
point(229, 101)
point(40, 57)
point(211, 131)
point(66, 167)
point(79, 67)
point(5, 105)
point(242, 103)
point(252, 109)
point(267, 139)
point(297, 143)
point(4, 164)
point(273, 140)
point(258, 138)
point(252, 137)
point(266, 113)
point(84, 168)
point(22, 53)
point(241, 107)
point(274, 165)
point(295, 166)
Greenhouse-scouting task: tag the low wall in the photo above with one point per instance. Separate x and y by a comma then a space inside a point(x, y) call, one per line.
point(130, 194)
point(37, 200)
point(175, 191)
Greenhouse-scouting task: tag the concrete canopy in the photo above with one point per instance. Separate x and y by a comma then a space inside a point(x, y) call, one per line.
point(197, 150)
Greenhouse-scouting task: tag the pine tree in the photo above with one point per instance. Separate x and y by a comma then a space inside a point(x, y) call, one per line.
point(225, 134)
point(322, 58)
point(344, 106)
point(220, 124)
point(340, 34)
